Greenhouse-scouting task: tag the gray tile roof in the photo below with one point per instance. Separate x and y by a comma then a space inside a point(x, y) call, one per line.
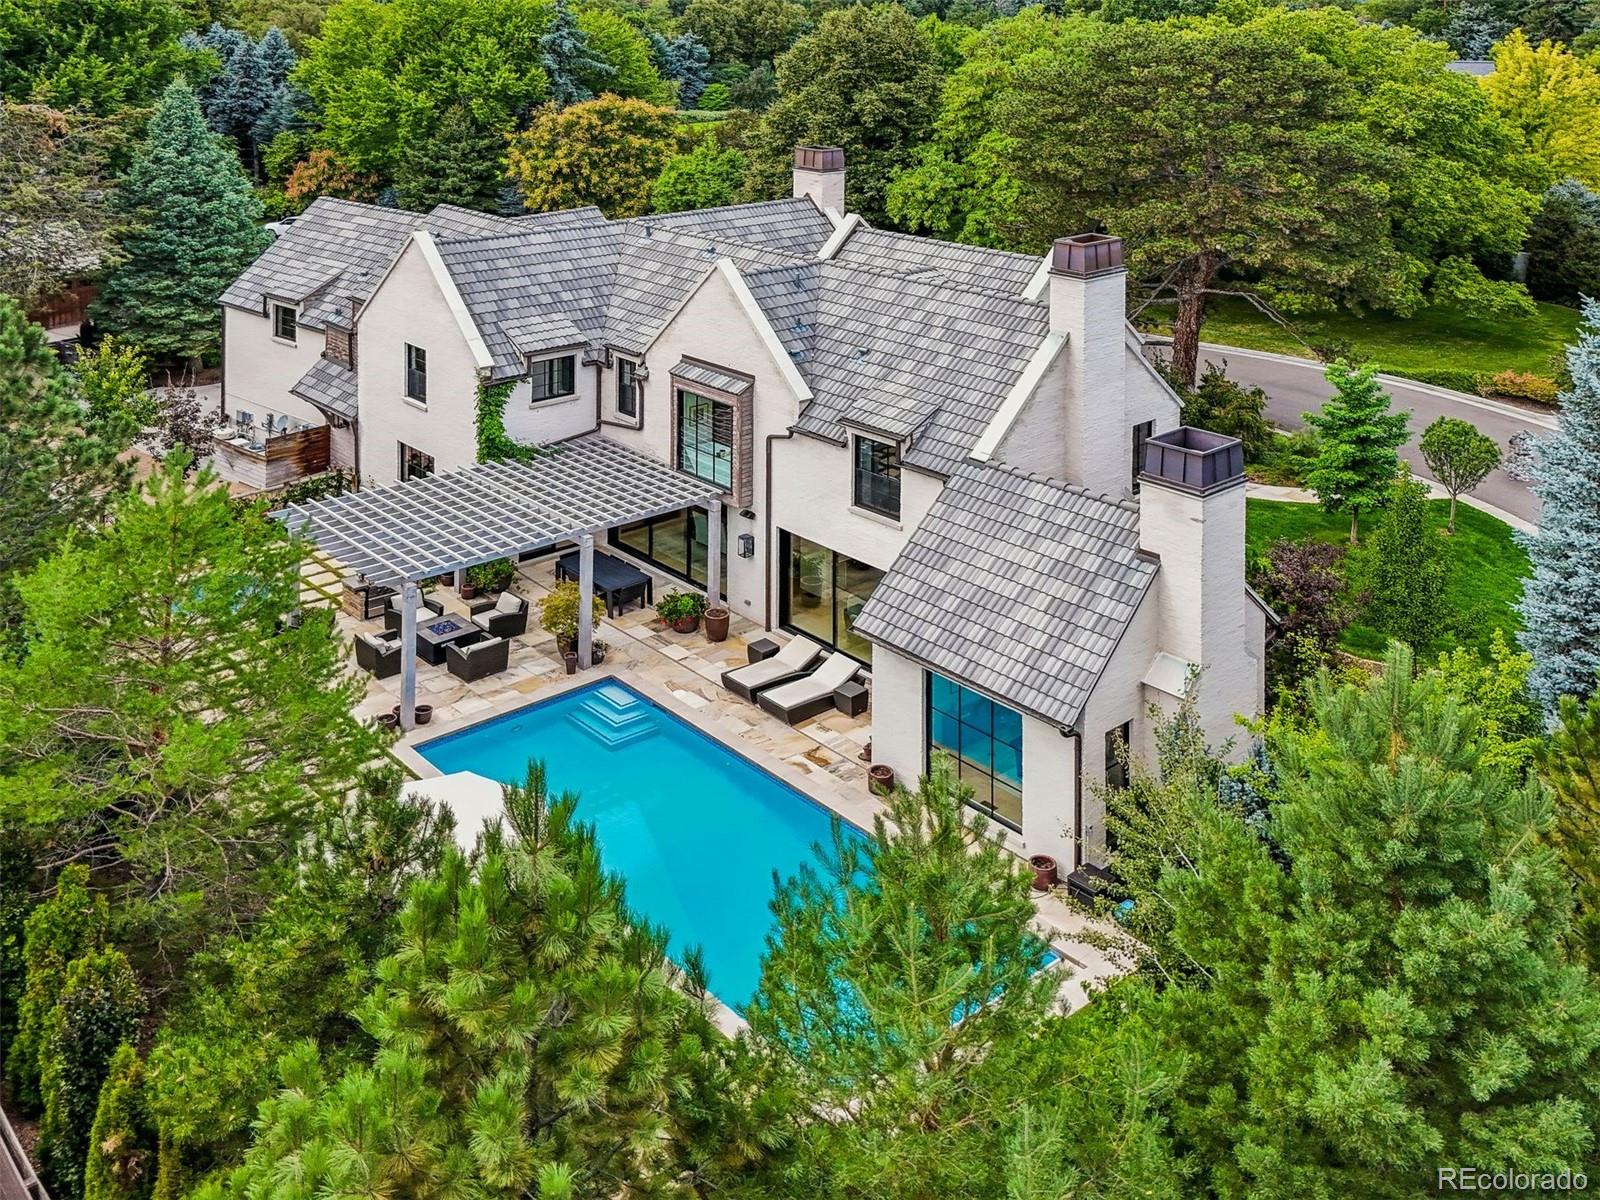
point(693, 371)
point(1015, 585)
point(980, 268)
point(794, 226)
point(905, 356)
point(329, 385)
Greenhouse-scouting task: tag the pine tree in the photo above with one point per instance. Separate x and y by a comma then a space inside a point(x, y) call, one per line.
point(683, 59)
point(1560, 614)
point(460, 163)
point(530, 1039)
point(99, 1010)
point(1405, 569)
point(568, 59)
point(277, 56)
point(1357, 455)
point(196, 226)
point(1570, 764)
point(121, 1163)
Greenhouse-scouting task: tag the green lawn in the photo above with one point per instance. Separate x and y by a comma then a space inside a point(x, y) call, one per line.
point(1485, 579)
point(1434, 340)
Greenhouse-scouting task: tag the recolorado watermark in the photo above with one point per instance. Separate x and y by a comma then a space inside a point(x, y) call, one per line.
point(1477, 1179)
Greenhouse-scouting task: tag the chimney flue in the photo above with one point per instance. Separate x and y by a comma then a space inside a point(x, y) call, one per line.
point(819, 173)
point(1086, 255)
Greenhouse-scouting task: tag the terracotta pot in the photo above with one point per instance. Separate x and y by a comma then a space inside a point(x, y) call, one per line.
point(1044, 872)
point(717, 618)
point(686, 624)
point(469, 591)
point(880, 779)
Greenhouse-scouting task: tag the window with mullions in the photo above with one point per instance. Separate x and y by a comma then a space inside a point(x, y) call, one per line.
point(877, 486)
point(554, 378)
point(675, 542)
point(283, 322)
point(627, 388)
point(705, 438)
point(417, 373)
point(985, 740)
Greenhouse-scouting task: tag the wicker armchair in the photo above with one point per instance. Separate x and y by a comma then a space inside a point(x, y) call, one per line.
point(488, 657)
point(393, 614)
point(494, 616)
point(378, 656)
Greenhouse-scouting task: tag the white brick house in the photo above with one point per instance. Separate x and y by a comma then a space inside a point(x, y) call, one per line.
point(931, 455)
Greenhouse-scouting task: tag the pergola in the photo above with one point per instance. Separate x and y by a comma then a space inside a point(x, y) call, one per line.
point(400, 535)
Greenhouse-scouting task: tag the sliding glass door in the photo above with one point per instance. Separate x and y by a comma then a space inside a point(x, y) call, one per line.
point(676, 543)
point(823, 592)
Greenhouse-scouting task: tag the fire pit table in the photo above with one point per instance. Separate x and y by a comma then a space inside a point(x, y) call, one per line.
point(434, 636)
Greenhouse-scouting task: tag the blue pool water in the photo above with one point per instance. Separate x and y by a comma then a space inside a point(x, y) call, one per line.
point(695, 830)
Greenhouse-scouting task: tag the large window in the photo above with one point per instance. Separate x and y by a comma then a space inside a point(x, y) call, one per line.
point(627, 388)
point(824, 592)
point(985, 739)
point(705, 438)
point(416, 373)
point(675, 542)
point(1142, 433)
point(554, 378)
point(414, 464)
point(877, 485)
point(283, 326)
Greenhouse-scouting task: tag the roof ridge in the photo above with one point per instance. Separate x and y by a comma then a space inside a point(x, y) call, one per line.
point(1077, 489)
point(940, 285)
point(922, 237)
point(700, 212)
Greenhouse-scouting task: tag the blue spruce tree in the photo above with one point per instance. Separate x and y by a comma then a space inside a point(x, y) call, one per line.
point(684, 59)
point(277, 56)
point(568, 58)
point(1561, 602)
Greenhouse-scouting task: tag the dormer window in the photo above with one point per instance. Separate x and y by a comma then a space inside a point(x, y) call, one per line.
point(283, 323)
point(877, 477)
point(554, 378)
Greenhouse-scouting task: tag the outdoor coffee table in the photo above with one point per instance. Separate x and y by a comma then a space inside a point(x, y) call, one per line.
point(434, 636)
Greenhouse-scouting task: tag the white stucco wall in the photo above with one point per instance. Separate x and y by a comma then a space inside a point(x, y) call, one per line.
point(1118, 697)
point(409, 307)
point(552, 420)
point(1148, 396)
point(1090, 312)
point(259, 370)
point(898, 717)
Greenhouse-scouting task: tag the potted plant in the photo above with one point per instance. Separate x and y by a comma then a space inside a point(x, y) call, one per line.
point(1044, 872)
point(422, 713)
point(811, 582)
point(717, 618)
point(558, 614)
point(493, 576)
point(880, 779)
point(681, 610)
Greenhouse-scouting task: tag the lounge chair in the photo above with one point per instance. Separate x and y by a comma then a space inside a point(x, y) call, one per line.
point(791, 662)
point(378, 655)
point(808, 696)
point(392, 612)
point(488, 657)
point(505, 615)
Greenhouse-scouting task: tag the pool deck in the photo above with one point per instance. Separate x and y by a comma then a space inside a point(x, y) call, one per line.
point(823, 758)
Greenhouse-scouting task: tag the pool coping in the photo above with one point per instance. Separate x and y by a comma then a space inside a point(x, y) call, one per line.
point(854, 809)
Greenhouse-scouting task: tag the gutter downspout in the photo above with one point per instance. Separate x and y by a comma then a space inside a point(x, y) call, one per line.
point(769, 550)
point(599, 399)
point(1077, 799)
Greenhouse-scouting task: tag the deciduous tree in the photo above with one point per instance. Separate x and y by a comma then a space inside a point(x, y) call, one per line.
point(1560, 620)
point(1358, 440)
point(705, 177)
point(749, 31)
point(96, 55)
point(626, 66)
point(1553, 97)
point(1459, 456)
point(607, 152)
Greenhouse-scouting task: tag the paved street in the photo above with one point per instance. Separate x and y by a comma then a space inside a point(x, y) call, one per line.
point(1295, 386)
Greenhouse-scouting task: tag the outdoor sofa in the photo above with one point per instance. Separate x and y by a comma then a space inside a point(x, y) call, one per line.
point(393, 613)
point(502, 616)
point(378, 655)
point(790, 662)
point(806, 697)
point(488, 657)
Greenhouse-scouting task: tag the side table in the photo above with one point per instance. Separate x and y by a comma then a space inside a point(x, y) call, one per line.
point(761, 649)
point(850, 699)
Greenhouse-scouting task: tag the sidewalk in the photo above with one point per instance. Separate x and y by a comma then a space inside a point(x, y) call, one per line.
point(1267, 491)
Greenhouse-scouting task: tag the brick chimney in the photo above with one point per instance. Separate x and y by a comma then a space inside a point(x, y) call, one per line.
point(1088, 303)
point(1191, 515)
point(819, 173)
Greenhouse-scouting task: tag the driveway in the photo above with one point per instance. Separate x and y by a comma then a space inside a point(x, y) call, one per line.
point(1295, 386)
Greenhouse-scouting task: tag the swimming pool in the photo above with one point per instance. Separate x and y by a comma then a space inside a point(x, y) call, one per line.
point(696, 830)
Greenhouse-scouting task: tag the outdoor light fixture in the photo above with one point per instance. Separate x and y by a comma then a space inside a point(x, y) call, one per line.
point(747, 545)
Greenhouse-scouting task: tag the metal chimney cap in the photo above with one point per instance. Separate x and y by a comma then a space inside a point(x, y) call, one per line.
point(819, 158)
point(1193, 460)
point(1086, 255)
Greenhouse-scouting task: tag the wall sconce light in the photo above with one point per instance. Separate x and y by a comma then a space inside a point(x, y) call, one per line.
point(747, 545)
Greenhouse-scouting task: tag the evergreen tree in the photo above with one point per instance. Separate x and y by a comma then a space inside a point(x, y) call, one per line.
point(161, 724)
point(1560, 618)
point(223, 44)
point(277, 56)
point(196, 226)
point(903, 1016)
point(122, 1142)
point(1405, 569)
point(1570, 764)
point(531, 1040)
point(98, 1011)
point(1377, 985)
point(685, 61)
point(1359, 437)
point(568, 61)
point(460, 163)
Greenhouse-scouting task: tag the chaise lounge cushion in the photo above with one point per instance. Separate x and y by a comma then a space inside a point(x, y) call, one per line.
point(806, 697)
point(788, 663)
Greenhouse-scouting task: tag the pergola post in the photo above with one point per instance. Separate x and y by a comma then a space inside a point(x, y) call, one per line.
point(714, 552)
point(409, 599)
point(585, 599)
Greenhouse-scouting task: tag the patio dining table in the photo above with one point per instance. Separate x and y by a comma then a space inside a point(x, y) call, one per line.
point(616, 581)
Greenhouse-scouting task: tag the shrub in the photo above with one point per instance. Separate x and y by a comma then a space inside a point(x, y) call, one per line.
point(121, 1163)
point(1448, 377)
point(715, 98)
point(493, 576)
point(676, 605)
point(1521, 385)
point(558, 612)
point(1406, 569)
point(1223, 406)
point(1288, 457)
point(1564, 245)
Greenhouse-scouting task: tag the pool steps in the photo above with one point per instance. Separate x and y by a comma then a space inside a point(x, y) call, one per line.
point(614, 716)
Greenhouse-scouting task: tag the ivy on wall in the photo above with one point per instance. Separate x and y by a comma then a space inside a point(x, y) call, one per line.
point(494, 443)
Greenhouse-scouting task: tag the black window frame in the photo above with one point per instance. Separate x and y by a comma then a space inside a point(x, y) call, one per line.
point(628, 389)
point(716, 409)
point(881, 476)
point(416, 373)
point(830, 585)
point(989, 810)
point(1117, 771)
point(409, 454)
point(550, 373)
point(672, 567)
point(1142, 433)
point(278, 313)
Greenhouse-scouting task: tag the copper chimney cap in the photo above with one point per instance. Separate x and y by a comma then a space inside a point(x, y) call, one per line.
point(1086, 255)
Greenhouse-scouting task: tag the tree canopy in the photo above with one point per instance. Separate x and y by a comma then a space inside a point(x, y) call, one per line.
point(98, 55)
point(606, 152)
